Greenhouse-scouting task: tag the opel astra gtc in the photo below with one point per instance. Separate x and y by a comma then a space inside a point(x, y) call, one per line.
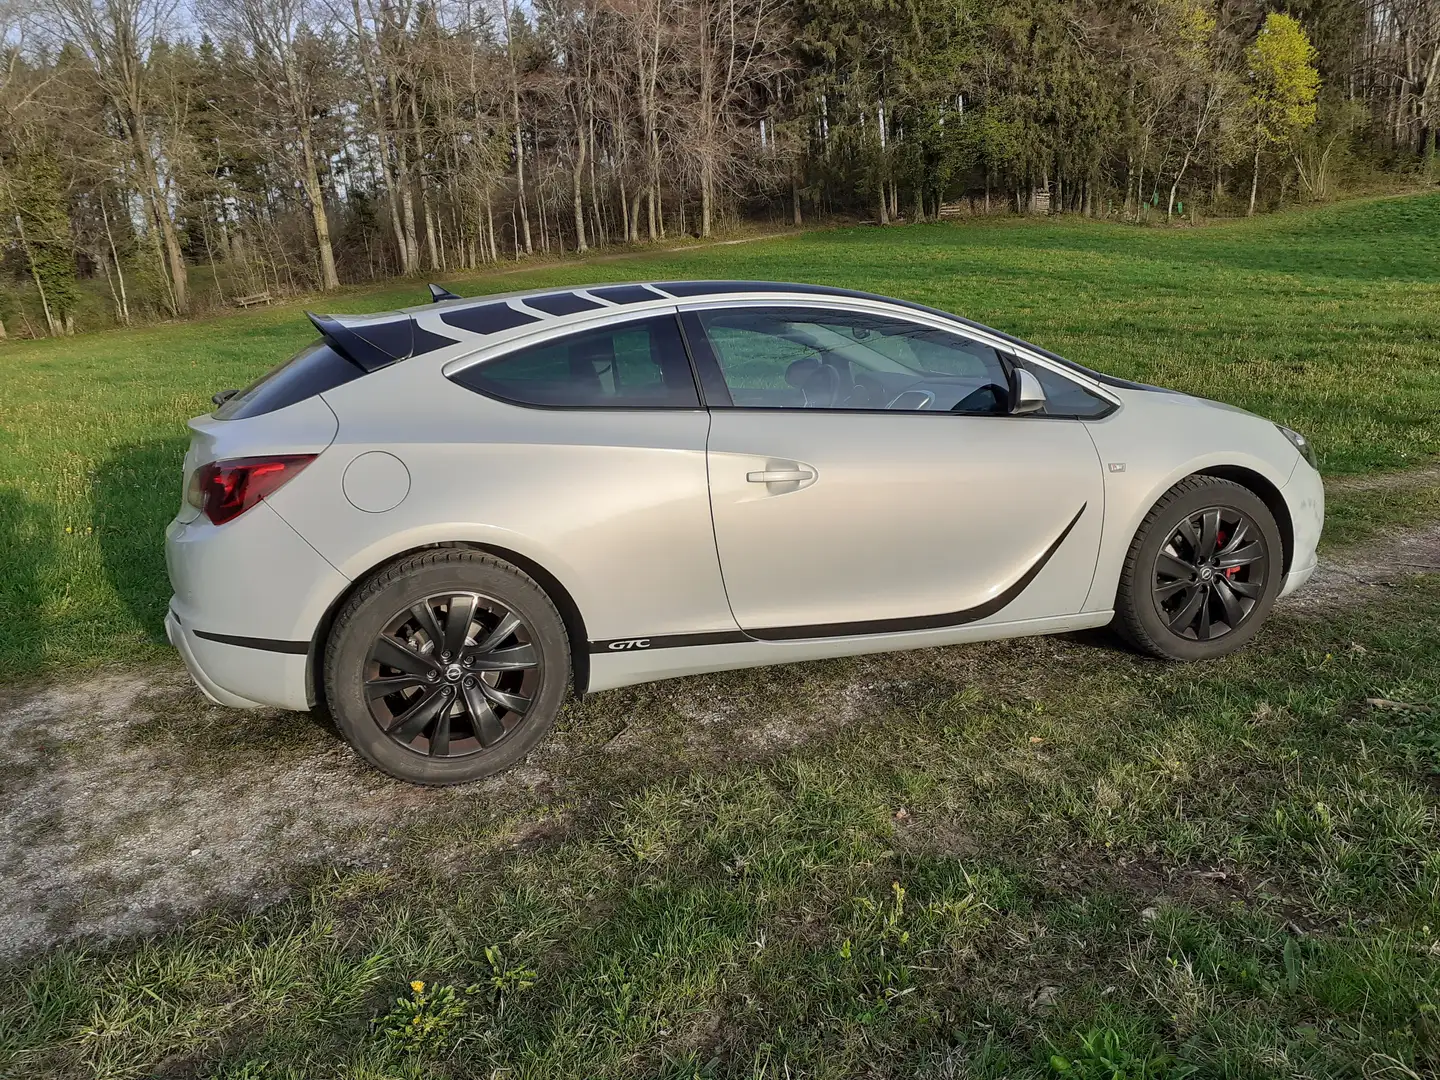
point(438, 521)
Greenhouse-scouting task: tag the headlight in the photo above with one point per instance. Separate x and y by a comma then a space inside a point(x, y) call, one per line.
point(1307, 450)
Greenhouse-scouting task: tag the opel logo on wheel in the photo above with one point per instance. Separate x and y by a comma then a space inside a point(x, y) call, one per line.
point(453, 672)
point(1206, 573)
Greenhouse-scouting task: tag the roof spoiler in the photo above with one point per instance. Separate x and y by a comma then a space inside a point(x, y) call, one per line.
point(372, 344)
point(439, 292)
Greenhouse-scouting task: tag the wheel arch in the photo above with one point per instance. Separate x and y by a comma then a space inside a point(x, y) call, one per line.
point(554, 588)
point(1267, 493)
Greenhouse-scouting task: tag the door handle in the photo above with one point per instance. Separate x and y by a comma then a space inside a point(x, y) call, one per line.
point(780, 476)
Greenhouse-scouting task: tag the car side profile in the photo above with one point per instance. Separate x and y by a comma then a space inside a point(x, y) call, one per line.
point(438, 522)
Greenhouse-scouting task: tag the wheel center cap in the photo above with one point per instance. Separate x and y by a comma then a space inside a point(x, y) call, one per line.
point(453, 672)
point(1206, 573)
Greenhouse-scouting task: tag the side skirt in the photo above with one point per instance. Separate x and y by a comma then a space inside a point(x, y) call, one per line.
point(635, 663)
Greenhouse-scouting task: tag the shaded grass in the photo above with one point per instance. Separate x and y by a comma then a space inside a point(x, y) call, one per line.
point(1006, 851)
point(1324, 319)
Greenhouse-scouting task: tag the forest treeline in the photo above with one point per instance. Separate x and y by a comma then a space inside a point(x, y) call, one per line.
point(159, 156)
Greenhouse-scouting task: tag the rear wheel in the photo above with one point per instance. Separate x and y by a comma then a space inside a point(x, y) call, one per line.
point(1202, 573)
point(447, 667)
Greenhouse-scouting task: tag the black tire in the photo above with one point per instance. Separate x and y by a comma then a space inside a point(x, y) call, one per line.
point(404, 709)
point(1190, 590)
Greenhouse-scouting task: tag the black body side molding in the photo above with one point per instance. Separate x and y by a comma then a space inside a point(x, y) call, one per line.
point(299, 648)
point(900, 625)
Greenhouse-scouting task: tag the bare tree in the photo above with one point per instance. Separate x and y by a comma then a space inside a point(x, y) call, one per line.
point(290, 71)
point(118, 38)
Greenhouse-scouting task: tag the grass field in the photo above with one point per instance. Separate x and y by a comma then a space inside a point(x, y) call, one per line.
point(1325, 320)
point(1044, 858)
point(1010, 852)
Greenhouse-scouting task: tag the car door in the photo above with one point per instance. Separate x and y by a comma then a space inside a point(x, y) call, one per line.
point(867, 478)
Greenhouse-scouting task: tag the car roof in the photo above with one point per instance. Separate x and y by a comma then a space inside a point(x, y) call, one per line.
point(375, 341)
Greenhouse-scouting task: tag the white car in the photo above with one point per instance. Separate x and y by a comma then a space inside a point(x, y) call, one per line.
point(438, 521)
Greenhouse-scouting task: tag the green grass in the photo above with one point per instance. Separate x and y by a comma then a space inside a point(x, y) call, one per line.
point(1015, 853)
point(1324, 319)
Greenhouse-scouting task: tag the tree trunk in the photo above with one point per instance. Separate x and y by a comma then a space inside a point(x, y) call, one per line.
point(329, 279)
point(1254, 182)
point(382, 140)
point(175, 268)
point(123, 308)
point(578, 193)
point(50, 322)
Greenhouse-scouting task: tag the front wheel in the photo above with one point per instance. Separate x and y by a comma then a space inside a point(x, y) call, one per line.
point(446, 667)
point(1202, 573)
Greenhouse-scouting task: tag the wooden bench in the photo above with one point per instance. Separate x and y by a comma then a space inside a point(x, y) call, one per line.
point(251, 301)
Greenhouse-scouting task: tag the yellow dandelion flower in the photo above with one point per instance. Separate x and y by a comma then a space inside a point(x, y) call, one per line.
point(418, 986)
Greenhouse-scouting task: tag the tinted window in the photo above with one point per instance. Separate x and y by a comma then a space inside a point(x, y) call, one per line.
point(1066, 398)
point(812, 358)
point(639, 364)
point(311, 371)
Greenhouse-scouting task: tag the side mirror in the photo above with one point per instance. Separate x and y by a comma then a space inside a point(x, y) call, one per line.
point(1028, 395)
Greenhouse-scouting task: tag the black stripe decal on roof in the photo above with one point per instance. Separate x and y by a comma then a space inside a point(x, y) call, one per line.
point(487, 318)
point(565, 303)
point(863, 628)
point(627, 294)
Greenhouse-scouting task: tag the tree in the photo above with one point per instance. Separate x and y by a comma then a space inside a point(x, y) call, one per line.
point(288, 68)
point(120, 38)
point(33, 200)
point(1284, 85)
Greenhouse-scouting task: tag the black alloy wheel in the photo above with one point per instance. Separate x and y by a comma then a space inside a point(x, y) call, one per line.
point(447, 666)
point(1211, 573)
point(1202, 572)
point(452, 675)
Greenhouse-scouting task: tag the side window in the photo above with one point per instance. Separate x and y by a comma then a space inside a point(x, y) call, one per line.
point(1066, 398)
point(633, 365)
point(817, 358)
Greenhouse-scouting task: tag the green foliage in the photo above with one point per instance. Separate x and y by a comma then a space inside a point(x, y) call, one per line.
point(1284, 82)
point(427, 1019)
point(37, 204)
point(1102, 1053)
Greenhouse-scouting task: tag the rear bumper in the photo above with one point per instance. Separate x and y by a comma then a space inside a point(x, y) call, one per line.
point(185, 642)
point(248, 598)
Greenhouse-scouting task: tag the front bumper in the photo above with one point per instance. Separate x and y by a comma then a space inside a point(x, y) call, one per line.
point(1305, 497)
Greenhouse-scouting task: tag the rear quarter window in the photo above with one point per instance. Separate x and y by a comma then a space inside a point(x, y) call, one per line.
point(639, 364)
point(311, 371)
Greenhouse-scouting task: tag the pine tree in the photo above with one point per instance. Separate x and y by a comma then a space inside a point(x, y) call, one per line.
point(41, 220)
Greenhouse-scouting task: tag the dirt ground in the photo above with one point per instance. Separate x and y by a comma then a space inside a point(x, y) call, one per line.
point(127, 802)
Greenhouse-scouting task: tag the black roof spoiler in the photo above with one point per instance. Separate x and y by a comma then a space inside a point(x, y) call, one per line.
point(371, 344)
point(439, 292)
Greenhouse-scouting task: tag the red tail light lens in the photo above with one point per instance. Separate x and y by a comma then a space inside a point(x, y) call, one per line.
point(226, 489)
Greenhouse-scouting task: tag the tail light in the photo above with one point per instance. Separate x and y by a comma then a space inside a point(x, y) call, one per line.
point(223, 490)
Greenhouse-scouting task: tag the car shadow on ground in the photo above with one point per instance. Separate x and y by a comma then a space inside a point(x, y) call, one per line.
point(27, 547)
point(136, 493)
